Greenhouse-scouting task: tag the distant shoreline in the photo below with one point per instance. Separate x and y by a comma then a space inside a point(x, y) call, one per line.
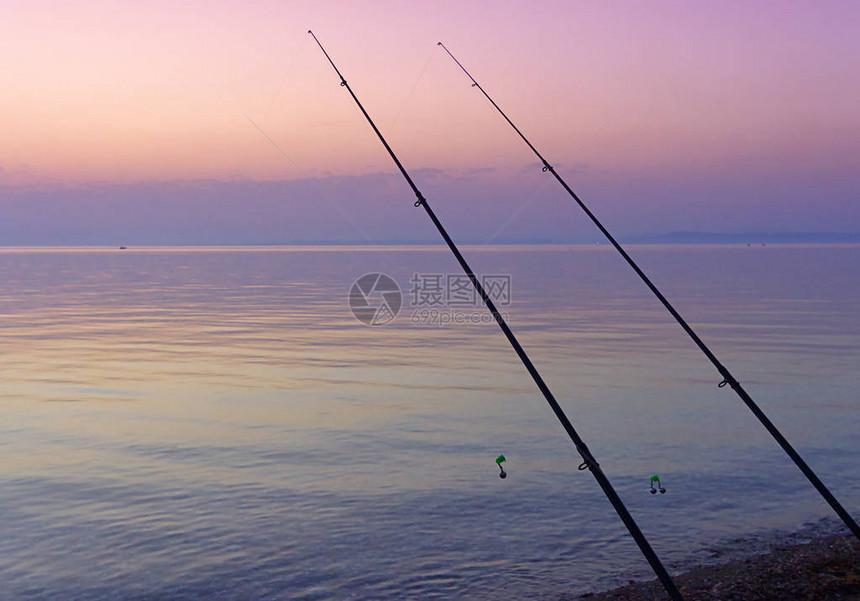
point(747, 238)
point(683, 238)
point(424, 245)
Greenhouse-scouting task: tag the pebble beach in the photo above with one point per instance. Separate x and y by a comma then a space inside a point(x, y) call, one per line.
point(824, 569)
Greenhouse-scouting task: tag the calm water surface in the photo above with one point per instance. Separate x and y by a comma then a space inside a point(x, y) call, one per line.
point(215, 424)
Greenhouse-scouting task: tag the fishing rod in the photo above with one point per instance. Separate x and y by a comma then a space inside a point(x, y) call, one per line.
point(588, 460)
point(728, 379)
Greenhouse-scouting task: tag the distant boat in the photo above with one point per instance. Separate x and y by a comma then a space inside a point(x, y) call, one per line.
point(123, 247)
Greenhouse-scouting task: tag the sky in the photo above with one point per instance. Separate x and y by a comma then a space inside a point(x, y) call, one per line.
point(222, 122)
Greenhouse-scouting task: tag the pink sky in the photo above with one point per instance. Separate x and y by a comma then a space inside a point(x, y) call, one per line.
point(752, 104)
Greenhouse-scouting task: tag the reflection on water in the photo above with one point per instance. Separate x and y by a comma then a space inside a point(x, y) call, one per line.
point(214, 423)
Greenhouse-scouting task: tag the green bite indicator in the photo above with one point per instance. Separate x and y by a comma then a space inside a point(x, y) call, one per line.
point(499, 460)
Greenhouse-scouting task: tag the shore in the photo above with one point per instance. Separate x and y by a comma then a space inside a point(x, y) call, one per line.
point(825, 569)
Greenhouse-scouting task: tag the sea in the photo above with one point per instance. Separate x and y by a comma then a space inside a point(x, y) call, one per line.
point(323, 422)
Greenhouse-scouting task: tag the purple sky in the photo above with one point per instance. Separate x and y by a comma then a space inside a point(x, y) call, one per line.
point(125, 124)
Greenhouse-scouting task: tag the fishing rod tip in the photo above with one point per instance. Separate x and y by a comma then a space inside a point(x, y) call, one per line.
point(310, 32)
point(438, 43)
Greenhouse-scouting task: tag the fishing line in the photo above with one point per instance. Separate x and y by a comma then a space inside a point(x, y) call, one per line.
point(314, 186)
point(415, 85)
point(588, 460)
point(546, 184)
point(728, 378)
point(287, 76)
